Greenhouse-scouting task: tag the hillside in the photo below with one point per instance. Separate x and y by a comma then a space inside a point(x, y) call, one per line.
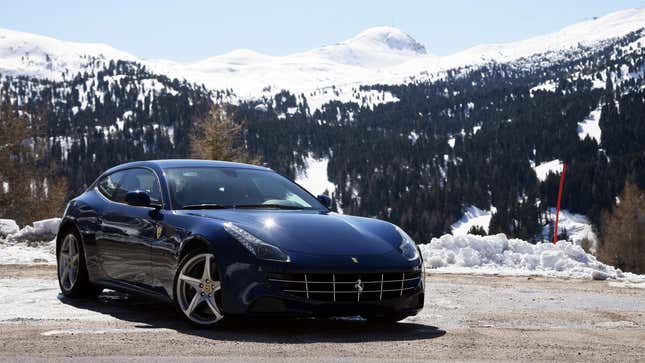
point(405, 135)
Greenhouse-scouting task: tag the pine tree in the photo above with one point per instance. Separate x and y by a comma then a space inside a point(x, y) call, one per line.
point(477, 230)
point(217, 137)
point(31, 187)
point(623, 231)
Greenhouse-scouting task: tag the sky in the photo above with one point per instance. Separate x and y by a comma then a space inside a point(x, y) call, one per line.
point(192, 30)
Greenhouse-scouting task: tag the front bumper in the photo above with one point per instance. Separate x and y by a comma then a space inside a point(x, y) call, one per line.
point(288, 306)
point(250, 288)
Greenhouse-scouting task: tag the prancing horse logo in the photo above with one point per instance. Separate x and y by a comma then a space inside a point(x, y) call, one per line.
point(359, 285)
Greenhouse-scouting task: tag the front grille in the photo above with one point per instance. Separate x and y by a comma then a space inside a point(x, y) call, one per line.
point(342, 287)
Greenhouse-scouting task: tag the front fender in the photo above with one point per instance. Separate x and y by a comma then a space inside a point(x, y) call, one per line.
point(204, 234)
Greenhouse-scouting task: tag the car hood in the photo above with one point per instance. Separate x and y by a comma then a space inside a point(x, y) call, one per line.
point(313, 232)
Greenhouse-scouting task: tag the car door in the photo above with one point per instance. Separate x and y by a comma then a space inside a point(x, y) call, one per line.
point(128, 231)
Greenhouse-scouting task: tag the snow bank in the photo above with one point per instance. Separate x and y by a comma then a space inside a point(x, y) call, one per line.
point(26, 246)
point(7, 227)
point(43, 230)
point(499, 255)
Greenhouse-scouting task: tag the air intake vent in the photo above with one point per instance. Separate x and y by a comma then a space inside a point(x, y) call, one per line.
point(357, 287)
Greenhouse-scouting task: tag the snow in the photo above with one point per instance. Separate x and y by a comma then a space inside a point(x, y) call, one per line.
point(578, 228)
point(365, 98)
point(543, 170)
point(496, 254)
point(39, 299)
point(40, 231)
point(261, 107)
point(451, 142)
point(314, 177)
point(413, 136)
point(26, 246)
point(379, 55)
point(8, 226)
point(375, 48)
point(362, 59)
point(590, 126)
point(584, 33)
point(21, 253)
point(548, 86)
point(45, 57)
point(473, 216)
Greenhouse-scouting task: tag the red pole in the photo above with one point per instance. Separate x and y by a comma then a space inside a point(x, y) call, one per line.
point(557, 210)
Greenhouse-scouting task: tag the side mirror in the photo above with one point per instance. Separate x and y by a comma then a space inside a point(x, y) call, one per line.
point(138, 198)
point(324, 200)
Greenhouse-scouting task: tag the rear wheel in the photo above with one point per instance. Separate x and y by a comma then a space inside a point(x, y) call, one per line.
point(72, 270)
point(198, 290)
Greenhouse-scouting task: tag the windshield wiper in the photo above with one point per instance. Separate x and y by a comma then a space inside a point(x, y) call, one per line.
point(274, 206)
point(207, 206)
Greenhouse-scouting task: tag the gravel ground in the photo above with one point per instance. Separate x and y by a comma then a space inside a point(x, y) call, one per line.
point(465, 318)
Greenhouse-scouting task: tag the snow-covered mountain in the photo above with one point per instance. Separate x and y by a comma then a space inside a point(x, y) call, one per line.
point(377, 55)
point(365, 58)
point(44, 57)
point(586, 33)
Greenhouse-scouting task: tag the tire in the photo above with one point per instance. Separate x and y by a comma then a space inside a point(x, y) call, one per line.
point(198, 291)
point(385, 319)
point(73, 278)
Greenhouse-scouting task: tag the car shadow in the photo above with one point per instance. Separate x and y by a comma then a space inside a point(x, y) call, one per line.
point(147, 313)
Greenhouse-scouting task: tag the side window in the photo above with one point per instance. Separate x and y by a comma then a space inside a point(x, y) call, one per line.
point(110, 186)
point(141, 179)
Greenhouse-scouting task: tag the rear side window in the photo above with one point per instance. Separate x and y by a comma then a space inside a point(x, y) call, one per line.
point(110, 186)
point(116, 185)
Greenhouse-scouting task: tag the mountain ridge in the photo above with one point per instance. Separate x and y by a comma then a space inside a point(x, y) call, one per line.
point(377, 55)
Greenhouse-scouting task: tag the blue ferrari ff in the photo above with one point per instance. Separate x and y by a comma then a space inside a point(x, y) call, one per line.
point(223, 239)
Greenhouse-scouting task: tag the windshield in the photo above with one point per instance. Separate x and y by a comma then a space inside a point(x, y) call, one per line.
point(217, 187)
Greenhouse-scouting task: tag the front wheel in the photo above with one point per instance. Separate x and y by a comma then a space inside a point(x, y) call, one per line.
point(72, 270)
point(198, 290)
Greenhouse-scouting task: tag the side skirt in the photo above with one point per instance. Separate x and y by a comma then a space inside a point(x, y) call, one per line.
point(135, 289)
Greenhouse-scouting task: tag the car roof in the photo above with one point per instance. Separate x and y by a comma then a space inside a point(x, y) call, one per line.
point(178, 163)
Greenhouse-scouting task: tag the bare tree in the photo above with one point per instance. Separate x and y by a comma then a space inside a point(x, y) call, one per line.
point(30, 185)
point(623, 231)
point(216, 136)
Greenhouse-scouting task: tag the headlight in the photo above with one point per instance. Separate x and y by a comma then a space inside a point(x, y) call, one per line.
point(408, 248)
point(255, 245)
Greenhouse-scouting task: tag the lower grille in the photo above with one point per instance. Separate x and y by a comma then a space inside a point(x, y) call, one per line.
point(355, 287)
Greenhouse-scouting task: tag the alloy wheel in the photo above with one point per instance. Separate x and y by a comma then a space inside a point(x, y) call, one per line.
point(68, 262)
point(199, 290)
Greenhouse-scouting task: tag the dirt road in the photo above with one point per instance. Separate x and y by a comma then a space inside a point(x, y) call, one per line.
point(465, 318)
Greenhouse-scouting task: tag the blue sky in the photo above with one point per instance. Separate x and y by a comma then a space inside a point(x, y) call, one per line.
point(190, 30)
